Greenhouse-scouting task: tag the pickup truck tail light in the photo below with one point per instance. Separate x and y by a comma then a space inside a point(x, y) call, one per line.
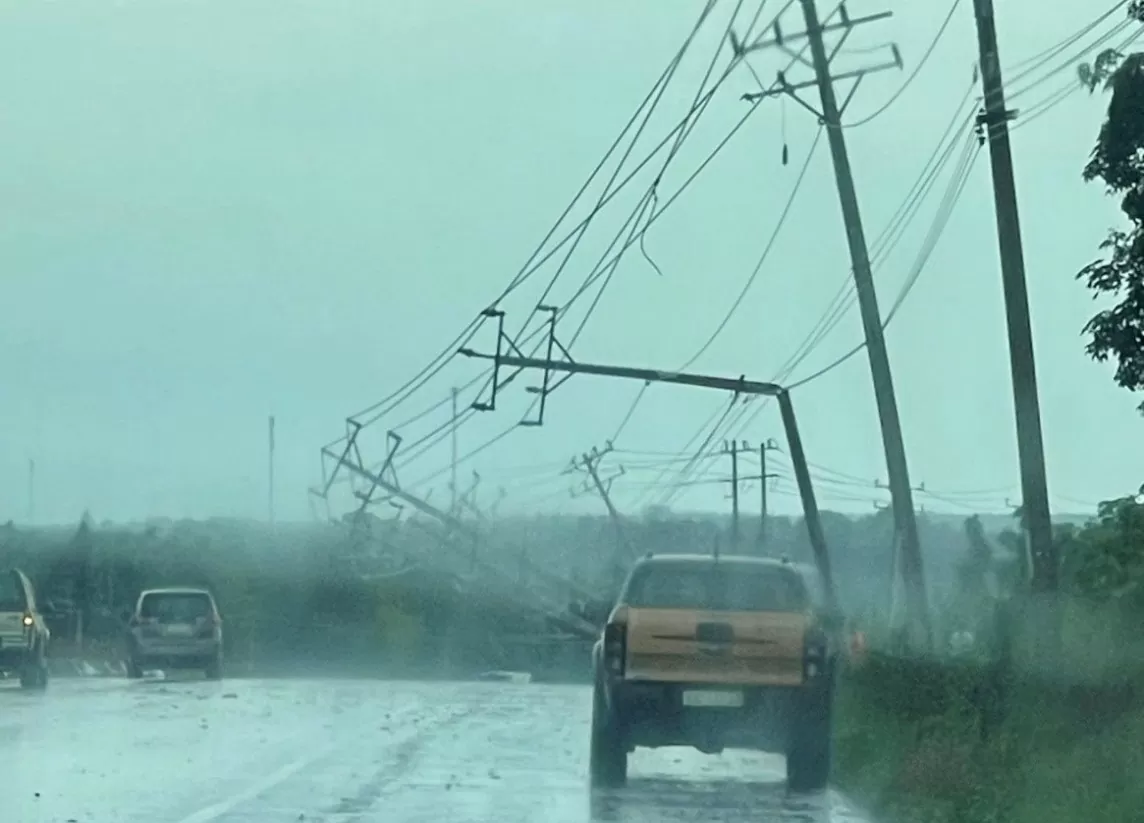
point(816, 652)
point(615, 648)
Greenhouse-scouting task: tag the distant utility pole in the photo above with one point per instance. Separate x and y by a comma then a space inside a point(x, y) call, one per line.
point(831, 117)
point(1030, 444)
point(453, 464)
point(732, 448)
point(590, 462)
point(270, 469)
point(764, 476)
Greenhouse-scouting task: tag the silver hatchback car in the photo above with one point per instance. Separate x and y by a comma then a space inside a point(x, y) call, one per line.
point(175, 628)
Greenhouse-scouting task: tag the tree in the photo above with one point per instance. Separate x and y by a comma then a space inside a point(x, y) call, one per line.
point(1118, 160)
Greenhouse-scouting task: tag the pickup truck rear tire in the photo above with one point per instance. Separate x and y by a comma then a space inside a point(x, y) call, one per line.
point(809, 746)
point(134, 668)
point(608, 753)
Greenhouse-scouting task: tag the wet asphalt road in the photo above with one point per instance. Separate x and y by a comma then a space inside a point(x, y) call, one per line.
point(309, 751)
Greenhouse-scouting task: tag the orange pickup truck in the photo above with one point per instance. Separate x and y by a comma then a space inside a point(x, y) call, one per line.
point(716, 652)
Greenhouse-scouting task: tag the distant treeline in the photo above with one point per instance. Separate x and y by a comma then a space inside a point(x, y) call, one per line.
point(401, 595)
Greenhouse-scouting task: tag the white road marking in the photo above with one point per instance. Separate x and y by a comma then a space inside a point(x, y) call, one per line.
point(217, 810)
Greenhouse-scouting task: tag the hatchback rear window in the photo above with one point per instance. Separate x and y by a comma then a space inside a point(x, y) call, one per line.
point(728, 587)
point(11, 593)
point(175, 607)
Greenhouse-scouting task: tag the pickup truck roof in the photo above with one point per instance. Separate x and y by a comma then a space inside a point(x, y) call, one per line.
point(731, 582)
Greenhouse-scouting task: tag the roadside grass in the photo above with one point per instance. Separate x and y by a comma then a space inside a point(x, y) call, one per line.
point(909, 748)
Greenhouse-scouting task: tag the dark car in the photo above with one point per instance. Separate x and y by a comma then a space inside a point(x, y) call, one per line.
point(175, 628)
point(24, 637)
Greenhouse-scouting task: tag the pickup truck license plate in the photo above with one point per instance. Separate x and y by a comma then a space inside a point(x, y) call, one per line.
point(713, 699)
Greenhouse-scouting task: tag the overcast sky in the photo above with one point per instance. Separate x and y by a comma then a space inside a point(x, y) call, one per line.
point(217, 211)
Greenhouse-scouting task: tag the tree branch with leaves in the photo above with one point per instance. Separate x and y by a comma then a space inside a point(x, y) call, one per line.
point(1117, 333)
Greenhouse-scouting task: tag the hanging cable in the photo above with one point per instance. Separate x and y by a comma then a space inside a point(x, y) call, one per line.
point(957, 187)
point(913, 75)
point(602, 271)
point(532, 264)
point(753, 276)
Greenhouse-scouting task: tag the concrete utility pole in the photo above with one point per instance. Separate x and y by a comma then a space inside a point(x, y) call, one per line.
point(1030, 445)
point(453, 464)
point(739, 386)
point(764, 476)
point(896, 466)
point(732, 448)
point(590, 462)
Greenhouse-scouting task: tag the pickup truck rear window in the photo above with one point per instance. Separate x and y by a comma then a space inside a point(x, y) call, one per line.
point(717, 588)
point(11, 593)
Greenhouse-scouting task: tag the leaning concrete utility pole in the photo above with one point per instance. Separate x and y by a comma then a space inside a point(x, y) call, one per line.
point(1030, 444)
point(740, 386)
point(624, 553)
point(896, 466)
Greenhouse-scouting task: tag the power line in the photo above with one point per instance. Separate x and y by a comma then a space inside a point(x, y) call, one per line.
point(531, 265)
point(882, 246)
point(766, 251)
point(750, 281)
point(603, 268)
point(954, 193)
point(1055, 49)
point(1051, 101)
point(747, 285)
point(914, 74)
point(681, 132)
point(1069, 64)
point(941, 220)
point(890, 237)
point(630, 412)
point(1031, 65)
point(652, 196)
point(602, 271)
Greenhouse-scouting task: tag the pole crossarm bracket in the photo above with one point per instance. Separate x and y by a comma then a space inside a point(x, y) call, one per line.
point(781, 40)
point(507, 352)
point(740, 385)
point(386, 472)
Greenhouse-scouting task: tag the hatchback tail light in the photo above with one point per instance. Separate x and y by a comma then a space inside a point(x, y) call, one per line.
point(207, 626)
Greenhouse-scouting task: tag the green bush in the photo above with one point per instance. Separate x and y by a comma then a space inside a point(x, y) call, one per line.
point(914, 743)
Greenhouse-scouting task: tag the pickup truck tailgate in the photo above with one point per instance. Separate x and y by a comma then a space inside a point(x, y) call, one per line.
point(749, 648)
